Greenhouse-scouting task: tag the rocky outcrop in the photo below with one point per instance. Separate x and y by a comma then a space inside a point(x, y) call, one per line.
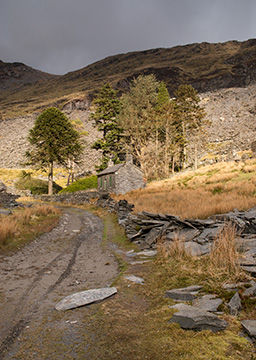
point(15, 74)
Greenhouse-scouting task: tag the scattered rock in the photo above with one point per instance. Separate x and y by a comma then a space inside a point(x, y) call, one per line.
point(234, 304)
point(194, 249)
point(207, 303)
point(148, 253)
point(5, 212)
point(189, 317)
point(251, 291)
point(85, 298)
point(136, 279)
point(250, 327)
point(183, 294)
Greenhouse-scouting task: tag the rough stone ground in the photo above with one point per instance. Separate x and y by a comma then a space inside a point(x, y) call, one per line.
point(69, 259)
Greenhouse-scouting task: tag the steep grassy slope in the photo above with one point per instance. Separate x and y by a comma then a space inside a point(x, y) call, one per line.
point(206, 66)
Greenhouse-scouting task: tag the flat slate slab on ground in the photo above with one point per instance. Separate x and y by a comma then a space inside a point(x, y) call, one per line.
point(208, 303)
point(250, 327)
point(189, 317)
point(136, 279)
point(183, 294)
point(85, 298)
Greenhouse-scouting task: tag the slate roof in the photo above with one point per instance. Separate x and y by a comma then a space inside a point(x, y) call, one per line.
point(111, 170)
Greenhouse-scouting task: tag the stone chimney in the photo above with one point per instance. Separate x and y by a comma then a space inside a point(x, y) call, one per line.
point(129, 159)
point(110, 163)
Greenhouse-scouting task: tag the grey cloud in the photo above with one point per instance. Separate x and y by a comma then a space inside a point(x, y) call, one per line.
point(58, 36)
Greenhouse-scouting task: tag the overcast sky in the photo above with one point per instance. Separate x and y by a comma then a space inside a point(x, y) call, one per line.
point(58, 36)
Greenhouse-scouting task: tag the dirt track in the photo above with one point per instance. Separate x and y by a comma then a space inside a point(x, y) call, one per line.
point(71, 258)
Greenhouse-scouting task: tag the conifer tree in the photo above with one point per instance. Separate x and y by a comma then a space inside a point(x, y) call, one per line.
point(105, 108)
point(53, 140)
point(190, 117)
point(137, 117)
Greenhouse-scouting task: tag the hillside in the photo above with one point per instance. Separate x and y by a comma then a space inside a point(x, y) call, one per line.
point(205, 66)
point(14, 76)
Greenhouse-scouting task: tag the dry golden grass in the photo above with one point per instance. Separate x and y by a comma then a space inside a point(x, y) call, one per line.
point(224, 255)
point(198, 194)
point(8, 176)
point(221, 177)
point(8, 229)
point(15, 229)
point(189, 203)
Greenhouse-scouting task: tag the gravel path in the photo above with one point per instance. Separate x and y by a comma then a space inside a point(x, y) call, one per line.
point(69, 259)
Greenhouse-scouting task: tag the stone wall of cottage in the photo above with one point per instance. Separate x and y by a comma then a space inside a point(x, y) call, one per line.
point(128, 178)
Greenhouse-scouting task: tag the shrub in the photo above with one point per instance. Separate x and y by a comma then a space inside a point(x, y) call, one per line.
point(82, 184)
point(36, 186)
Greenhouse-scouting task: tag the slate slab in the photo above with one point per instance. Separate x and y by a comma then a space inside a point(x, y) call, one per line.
point(5, 212)
point(194, 249)
point(189, 317)
point(250, 269)
point(85, 298)
point(251, 291)
point(136, 279)
point(208, 303)
point(250, 327)
point(183, 294)
point(235, 304)
point(148, 253)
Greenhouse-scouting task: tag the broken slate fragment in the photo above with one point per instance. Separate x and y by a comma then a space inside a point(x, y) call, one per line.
point(250, 327)
point(208, 303)
point(234, 304)
point(136, 279)
point(85, 298)
point(148, 253)
point(183, 294)
point(251, 291)
point(189, 317)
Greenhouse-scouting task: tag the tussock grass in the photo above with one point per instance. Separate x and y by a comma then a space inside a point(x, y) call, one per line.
point(224, 255)
point(8, 229)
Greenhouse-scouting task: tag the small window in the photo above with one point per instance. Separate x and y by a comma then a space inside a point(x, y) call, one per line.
point(101, 182)
point(110, 181)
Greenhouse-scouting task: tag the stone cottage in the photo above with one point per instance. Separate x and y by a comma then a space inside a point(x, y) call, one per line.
point(121, 178)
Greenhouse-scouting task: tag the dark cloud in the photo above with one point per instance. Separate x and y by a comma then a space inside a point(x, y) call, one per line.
point(58, 36)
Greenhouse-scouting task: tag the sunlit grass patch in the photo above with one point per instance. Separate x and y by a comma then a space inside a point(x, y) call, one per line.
point(25, 224)
point(209, 190)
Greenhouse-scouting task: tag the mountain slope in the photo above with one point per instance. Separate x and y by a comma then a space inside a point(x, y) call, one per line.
point(205, 66)
point(16, 75)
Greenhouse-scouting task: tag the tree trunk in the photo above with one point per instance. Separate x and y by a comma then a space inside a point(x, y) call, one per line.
point(69, 172)
point(196, 154)
point(167, 144)
point(156, 155)
point(50, 180)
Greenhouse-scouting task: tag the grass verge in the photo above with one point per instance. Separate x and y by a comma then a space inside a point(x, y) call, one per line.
point(26, 224)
